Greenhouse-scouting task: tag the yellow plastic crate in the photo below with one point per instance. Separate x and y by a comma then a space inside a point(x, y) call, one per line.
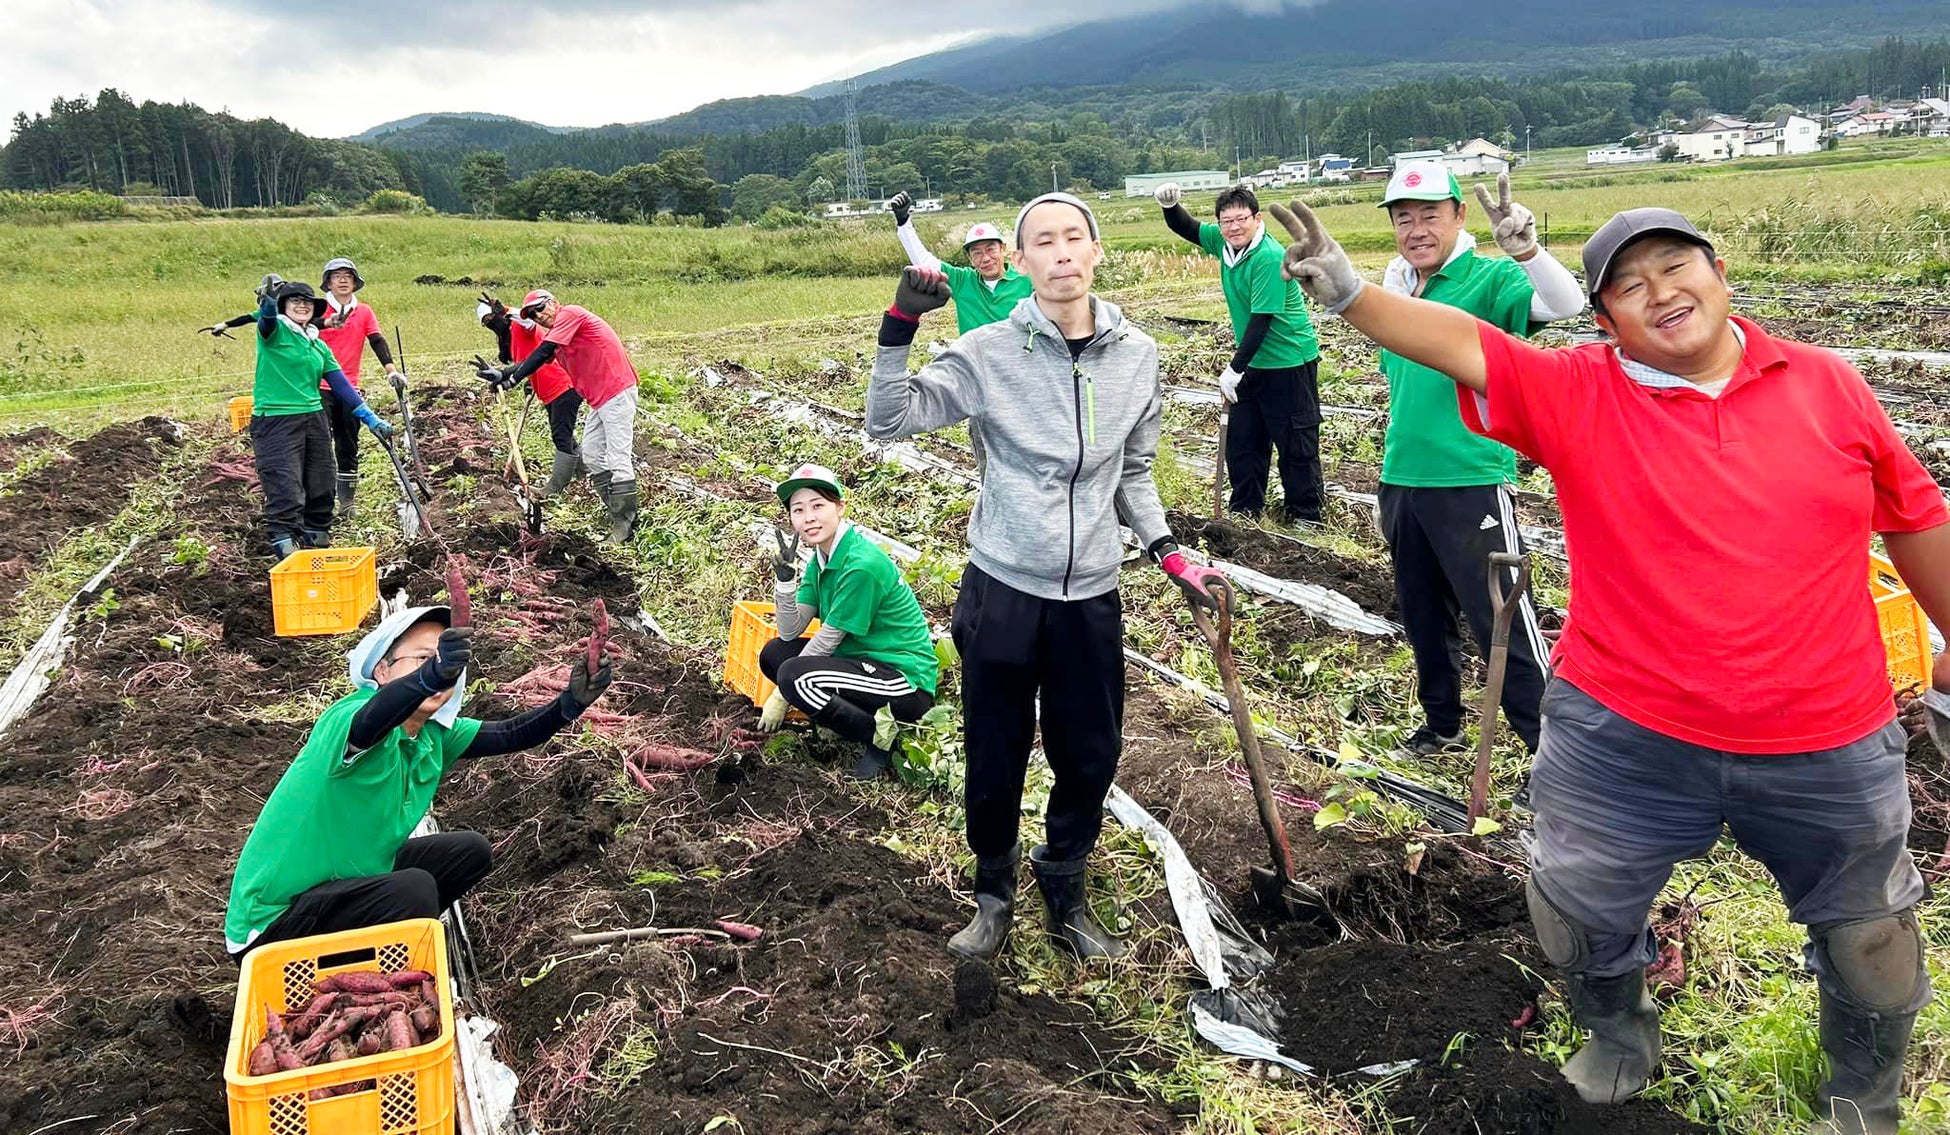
point(323, 591)
point(1905, 629)
point(240, 412)
point(751, 629)
point(413, 1089)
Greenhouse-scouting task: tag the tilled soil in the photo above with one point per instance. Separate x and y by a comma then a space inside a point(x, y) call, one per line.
point(84, 488)
point(1370, 585)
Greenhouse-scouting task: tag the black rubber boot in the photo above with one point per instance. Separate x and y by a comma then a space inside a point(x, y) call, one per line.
point(348, 488)
point(566, 466)
point(1617, 1062)
point(1863, 1093)
point(873, 763)
point(622, 503)
point(995, 908)
point(283, 548)
point(313, 538)
point(1061, 881)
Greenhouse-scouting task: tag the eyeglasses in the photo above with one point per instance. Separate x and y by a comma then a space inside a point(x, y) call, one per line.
point(1235, 221)
point(398, 659)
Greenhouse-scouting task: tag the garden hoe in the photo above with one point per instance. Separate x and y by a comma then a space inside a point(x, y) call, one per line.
point(1272, 886)
point(412, 517)
point(1503, 608)
point(531, 509)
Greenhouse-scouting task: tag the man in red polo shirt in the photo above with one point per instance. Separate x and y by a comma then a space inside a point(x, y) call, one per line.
point(518, 336)
point(1721, 665)
point(600, 370)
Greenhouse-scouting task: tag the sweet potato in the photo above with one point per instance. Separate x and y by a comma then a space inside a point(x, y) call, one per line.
point(429, 993)
point(301, 1025)
point(286, 1056)
point(340, 1049)
point(355, 981)
point(426, 1022)
point(369, 1041)
point(598, 638)
point(263, 1060)
point(399, 1032)
point(388, 999)
point(338, 1024)
point(457, 601)
point(743, 931)
point(408, 978)
point(272, 1025)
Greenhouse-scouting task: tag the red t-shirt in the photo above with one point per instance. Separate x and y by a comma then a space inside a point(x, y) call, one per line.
point(598, 366)
point(348, 342)
point(1719, 547)
point(549, 380)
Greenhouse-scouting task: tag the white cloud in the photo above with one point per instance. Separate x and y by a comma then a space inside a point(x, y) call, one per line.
point(334, 69)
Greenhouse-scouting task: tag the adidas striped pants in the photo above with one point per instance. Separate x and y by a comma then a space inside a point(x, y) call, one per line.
point(843, 694)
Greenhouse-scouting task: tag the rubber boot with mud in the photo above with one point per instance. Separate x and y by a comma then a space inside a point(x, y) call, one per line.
point(995, 908)
point(1863, 1093)
point(566, 466)
point(1070, 924)
point(347, 487)
point(600, 482)
point(873, 763)
point(622, 503)
point(283, 548)
point(1618, 1060)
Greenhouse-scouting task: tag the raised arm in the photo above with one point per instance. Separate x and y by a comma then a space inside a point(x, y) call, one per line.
point(917, 252)
point(1557, 292)
point(1177, 218)
point(1440, 337)
point(946, 391)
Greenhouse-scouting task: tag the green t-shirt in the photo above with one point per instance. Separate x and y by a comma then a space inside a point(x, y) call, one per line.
point(338, 817)
point(977, 304)
point(1428, 446)
point(1254, 286)
point(290, 366)
point(860, 591)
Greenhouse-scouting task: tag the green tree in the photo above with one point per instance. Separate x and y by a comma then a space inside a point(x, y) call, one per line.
point(755, 193)
point(481, 177)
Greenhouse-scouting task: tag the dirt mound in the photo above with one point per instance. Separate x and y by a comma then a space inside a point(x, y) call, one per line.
point(88, 486)
point(1370, 585)
point(1488, 1088)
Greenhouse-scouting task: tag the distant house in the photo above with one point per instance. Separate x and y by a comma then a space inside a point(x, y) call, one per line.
point(1930, 118)
point(1620, 155)
point(1190, 180)
point(1472, 164)
point(1787, 134)
point(1334, 167)
point(1715, 139)
point(1296, 172)
point(1869, 123)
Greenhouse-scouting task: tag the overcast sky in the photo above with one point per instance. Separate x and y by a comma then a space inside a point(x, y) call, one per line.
point(333, 69)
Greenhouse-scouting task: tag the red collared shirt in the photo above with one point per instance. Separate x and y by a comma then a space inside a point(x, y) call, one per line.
point(1719, 546)
point(589, 350)
point(549, 380)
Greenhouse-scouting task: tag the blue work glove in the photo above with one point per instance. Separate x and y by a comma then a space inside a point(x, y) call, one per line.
point(378, 425)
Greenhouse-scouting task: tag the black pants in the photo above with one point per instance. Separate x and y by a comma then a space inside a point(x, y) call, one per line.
point(429, 875)
point(1277, 410)
point(562, 421)
point(1013, 647)
point(843, 694)
point(293, 454)
point(1440, 541)
point(345, 435)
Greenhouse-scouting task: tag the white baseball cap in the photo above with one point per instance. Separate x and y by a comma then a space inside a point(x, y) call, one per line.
point(981, 231)
point(1422, 181)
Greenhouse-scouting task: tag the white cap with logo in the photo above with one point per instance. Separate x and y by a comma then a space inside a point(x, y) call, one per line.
point(981, 231)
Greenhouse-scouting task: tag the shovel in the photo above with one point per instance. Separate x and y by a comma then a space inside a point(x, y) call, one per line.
point(1503, 608)
point(1273, 886)
point(531, 509)
point(412, 516)
point(1219, 466)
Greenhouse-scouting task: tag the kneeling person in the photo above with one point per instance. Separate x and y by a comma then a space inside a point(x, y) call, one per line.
point(872, 648)
point(330, 850)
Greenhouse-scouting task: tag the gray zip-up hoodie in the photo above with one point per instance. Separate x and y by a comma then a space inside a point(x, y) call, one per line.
point(1069, 445)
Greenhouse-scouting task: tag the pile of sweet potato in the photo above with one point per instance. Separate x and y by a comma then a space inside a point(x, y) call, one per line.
point(355, 1013)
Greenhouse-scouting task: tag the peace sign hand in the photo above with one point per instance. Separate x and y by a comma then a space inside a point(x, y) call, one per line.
point(1514, 227)
point(785, 566)
point(1316, 261)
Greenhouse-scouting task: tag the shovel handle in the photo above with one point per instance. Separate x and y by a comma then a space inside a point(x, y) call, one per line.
point(1503, 602)
point(1503, 609)
point(1219, 637)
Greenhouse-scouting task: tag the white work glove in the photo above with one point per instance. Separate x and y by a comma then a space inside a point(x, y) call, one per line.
point(1514, 227)
point(1167, 194)
point(1316, 261)
point(1229, 385)
point(773, 715)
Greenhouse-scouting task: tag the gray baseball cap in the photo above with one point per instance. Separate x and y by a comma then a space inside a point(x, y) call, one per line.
point(1626, 229)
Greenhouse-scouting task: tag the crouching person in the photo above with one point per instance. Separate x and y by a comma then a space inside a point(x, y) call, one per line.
point(872, 648)
point(330, 850)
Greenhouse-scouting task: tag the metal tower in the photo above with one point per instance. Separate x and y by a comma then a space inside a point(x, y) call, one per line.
point(856, 159)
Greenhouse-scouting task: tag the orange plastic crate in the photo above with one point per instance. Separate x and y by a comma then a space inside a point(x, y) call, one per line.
point(240, 412)
point(751, 629)
point(323, 591)
point(1905, 629)
point(413, 1089)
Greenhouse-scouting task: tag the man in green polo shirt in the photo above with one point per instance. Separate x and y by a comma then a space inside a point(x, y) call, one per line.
point(1273, 377)
point(987, 290)
point(331, 849)
point(1445, 497)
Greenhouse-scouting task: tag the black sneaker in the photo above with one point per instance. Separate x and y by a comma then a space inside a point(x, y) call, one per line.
point(1426, 742)
point(873, 763)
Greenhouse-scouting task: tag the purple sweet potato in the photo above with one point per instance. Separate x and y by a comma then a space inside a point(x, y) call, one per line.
point(264, 1060)
point(408, 978)
point(356, 981)
point(369, 1041)
point(426, 1022)
point(302, 1025)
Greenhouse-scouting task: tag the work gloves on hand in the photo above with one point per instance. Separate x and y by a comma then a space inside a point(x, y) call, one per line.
point(1205, 586)
point(584, 687)
point(1229, 384)
point(380, 428)
point(271, 283)
point(785, 565)
point(451, 654)
point(497, 378)
point(919, 292)
point(1167, 195)
point(1514, 227)
point(493, 311)
point(901, 205)
point(216, 329)
point(773, 715)
point(1317, 260)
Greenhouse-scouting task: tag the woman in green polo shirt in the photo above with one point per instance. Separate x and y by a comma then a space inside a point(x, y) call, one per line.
point(872, 648)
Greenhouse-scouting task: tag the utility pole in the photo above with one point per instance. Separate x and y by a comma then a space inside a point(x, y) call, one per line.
point(1526, 143)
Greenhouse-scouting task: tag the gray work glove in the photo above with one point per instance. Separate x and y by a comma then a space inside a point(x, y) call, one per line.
point(584, 687)
point(271, 282)
point(1514, 227)
point(785, 566)
point(1317, 260)
point(1167, 195)
point(901, 205)
point(920, 291)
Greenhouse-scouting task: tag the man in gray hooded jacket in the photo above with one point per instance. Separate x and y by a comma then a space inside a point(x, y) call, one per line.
point(1063, 397)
